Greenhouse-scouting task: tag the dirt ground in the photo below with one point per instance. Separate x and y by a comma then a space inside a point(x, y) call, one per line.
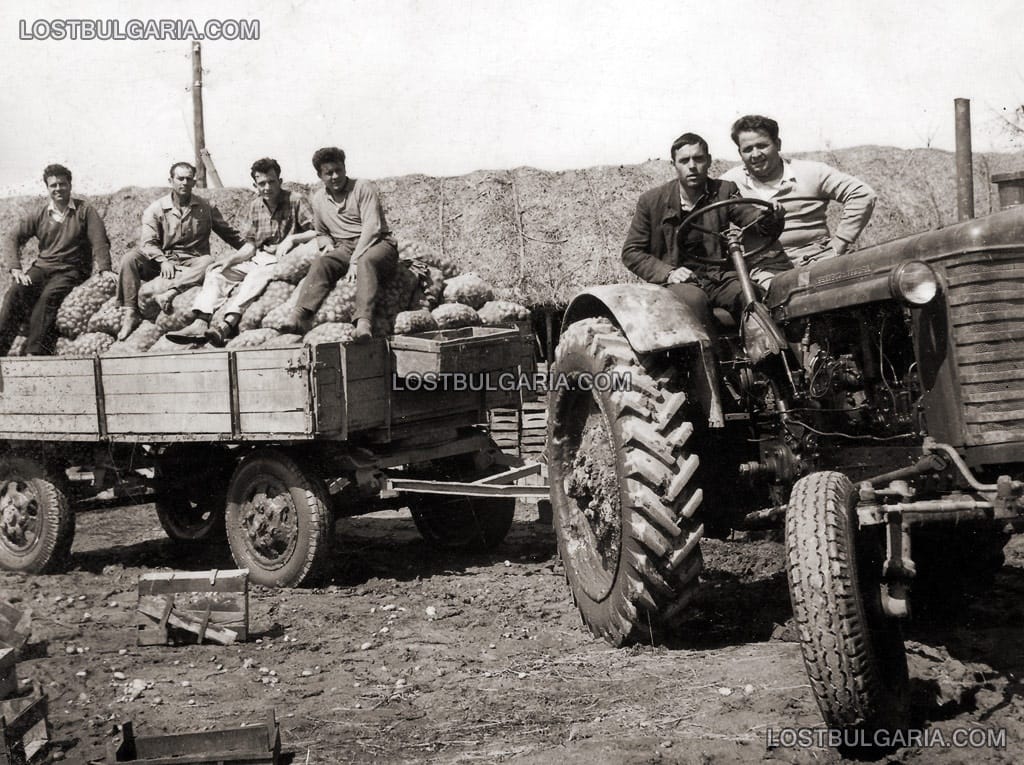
point(415, 655)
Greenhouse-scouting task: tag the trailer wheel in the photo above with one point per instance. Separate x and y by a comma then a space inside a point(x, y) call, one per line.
point(278, 519)
point(463, 523)
point(853, 654)
point(37, 526)
point(622, 488)
point(191, 484)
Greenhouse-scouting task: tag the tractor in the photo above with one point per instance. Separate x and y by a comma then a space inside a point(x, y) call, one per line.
point(877, 418)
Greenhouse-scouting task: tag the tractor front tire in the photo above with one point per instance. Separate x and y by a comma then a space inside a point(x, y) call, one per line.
point(853, 653)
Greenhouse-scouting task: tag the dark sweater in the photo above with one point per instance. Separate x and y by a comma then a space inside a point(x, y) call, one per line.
point(78, 241)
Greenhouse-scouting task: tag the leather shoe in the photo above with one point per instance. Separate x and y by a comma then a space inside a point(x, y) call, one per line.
point(219, 333)
point(193, 333)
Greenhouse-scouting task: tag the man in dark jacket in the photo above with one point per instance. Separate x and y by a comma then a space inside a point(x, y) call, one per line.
point(71, 237)
point(695, 265)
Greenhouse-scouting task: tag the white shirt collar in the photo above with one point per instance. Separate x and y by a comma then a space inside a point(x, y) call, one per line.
point(59, 216)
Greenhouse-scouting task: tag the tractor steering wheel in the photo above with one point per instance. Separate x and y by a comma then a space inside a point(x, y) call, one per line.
point(688, 220)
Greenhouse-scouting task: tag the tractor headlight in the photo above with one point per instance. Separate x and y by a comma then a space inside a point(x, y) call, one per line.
point(914, 282)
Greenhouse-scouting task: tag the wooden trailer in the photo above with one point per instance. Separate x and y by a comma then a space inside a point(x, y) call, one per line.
point(265, 445)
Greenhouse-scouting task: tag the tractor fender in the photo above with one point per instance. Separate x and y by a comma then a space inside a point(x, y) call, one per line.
point(648, 315)
point(652, 321)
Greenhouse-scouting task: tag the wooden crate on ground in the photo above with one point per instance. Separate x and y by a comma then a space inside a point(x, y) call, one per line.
point(8, 672)
point(24, 728)
point(15, 626)
point(193, 605)
point(249, 745)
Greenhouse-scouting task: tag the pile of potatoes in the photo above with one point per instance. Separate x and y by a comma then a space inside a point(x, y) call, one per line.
point(425, 293)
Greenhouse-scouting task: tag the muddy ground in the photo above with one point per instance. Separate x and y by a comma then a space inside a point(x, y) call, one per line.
point(499, 669)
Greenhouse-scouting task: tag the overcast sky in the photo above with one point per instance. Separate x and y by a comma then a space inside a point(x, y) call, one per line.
point(444, 87)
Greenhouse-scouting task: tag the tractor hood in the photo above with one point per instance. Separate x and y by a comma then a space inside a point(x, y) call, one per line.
point(863, 276)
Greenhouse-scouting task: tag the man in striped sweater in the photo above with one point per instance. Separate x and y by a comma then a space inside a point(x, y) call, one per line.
point(72, 238)
point(803, 188)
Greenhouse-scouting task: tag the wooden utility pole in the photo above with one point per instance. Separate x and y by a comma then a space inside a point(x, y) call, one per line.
point(197, 113)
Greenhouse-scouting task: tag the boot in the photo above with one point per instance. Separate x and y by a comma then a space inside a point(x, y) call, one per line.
point(193, 333)
point(220, 332)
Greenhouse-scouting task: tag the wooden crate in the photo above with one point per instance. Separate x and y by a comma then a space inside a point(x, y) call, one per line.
point(8, 672)
point(15, 626)
point(24, 729)
point(249, 745)
point(211, 605)
point(464, 350)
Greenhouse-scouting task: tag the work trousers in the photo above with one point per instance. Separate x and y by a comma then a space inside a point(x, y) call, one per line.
point(38, 302)
point(243, 282)
point(137, 267)
point(374, 265)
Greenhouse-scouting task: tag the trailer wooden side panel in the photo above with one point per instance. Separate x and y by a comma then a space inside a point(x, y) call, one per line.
point(330, 391)
point(167, 394)
point(48, 395)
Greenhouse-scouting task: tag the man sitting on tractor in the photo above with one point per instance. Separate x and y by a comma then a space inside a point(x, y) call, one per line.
point(803, 187)
point(690, 260)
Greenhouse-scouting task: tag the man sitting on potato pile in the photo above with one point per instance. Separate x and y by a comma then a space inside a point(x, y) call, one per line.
point(347, 213)
point(175, 244)
point(280, 221)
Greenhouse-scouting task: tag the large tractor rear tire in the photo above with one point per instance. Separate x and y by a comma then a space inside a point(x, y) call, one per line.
point(622, 488)
point(853, 653)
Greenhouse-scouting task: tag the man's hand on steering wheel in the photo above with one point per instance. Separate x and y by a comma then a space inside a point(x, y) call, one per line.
point(771, 209)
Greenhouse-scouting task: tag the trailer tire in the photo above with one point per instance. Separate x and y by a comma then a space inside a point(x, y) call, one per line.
point(191, 485)
point(278, 519)
point(37, 526)
point(191, 520)
point(623, 490)
point(854, 655)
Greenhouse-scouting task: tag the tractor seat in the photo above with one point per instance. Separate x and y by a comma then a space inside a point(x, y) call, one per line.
point(723, 320)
